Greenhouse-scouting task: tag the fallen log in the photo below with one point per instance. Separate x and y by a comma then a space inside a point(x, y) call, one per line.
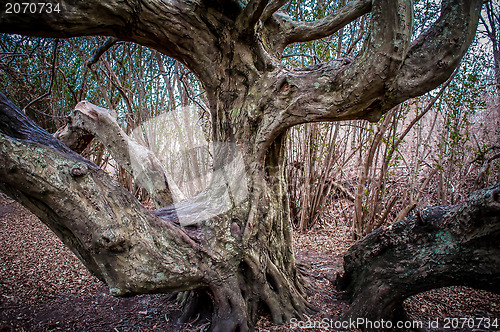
point(440, 246)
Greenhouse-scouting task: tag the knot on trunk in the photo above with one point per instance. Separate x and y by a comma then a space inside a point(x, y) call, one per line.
point(78, 171)
point(112, 241)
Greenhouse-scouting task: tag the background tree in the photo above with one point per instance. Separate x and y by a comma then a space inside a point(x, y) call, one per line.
point(242, 255)
point(396, 171)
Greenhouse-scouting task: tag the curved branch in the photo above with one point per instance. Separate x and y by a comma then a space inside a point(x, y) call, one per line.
point(101, 50)
point(52, 76)
point(306, 31)
point(344, 90)
point(272, 8)
point(178, 29)
point(75, 18)
point(434, 55)
point(102, 223)
point(388, 70)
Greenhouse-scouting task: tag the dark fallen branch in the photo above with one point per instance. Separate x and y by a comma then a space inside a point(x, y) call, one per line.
point(101, 50)
point(440, 246)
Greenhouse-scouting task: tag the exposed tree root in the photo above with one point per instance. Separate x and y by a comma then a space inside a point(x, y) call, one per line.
point(238, 301)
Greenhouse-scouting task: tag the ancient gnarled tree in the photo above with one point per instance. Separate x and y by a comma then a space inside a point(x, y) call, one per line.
point(440, 246)
point(242, 255)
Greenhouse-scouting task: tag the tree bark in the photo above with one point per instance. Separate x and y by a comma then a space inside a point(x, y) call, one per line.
point(104, 225)
point(440, 246)
point(135, 252)
point(243, 254)
point(88, 121)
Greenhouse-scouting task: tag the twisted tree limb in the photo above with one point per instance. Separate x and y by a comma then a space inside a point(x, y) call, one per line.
point(100, 221)
point(88, 121)
point(440, 246)
point(243, 253)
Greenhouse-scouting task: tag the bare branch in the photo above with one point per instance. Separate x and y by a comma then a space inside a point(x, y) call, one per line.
point(251, 14)
point(437, 52)
point(52, 77)
point(306, 31)
point(413, 202)
point(272, 8)
point(101, 50)
point(426, 109)
point(88, 121)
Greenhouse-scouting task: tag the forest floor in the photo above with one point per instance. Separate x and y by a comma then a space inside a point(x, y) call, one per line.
point(43, 287)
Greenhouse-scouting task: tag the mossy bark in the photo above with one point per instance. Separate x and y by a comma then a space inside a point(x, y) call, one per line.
point(440, 246)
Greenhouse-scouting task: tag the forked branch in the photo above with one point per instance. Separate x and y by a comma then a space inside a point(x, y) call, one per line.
point(100, 221)
point(388, 71)
point(306, 31)
point(88, 121)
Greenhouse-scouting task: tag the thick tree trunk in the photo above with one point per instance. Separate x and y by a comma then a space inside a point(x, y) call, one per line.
point(242, 254)
point(440, 246)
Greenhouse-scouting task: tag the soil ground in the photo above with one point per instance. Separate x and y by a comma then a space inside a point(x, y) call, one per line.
point(43, 287)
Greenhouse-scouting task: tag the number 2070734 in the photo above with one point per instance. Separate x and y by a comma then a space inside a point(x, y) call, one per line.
point(31, 8)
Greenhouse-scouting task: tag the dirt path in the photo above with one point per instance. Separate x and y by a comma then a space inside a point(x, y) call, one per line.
point(43, 287)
